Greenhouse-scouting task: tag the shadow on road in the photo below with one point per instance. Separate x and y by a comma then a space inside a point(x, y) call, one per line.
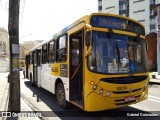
point(50, 100)
point(154, 83)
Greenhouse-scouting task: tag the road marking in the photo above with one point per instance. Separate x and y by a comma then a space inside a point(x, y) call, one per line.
point(151, 96)
point(153, 100)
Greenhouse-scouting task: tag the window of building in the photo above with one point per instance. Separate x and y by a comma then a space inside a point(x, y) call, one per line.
point(100, 3)
point(51, 51)
point(100, 8)
point(138, 1)
point(123, 14)
point(61, 51)
point(153, 30)
point(110, 7)
point(152, 2)
point(141, 20)
point(151, 12)
point(152, 27)
point(122, 7)
point(139, 11)
point(152, 21)
point(44, 54)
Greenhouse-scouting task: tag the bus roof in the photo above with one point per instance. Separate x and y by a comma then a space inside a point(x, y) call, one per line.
point(64, 30)
point(85, 19)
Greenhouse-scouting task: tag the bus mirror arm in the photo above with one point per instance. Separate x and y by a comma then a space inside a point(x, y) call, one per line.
point(89, 51)
point(88, 27)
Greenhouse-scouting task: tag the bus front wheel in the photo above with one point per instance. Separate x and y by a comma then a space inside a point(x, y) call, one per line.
point(60, 95)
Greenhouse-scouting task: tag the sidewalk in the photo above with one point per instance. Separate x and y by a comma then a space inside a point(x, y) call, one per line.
point(4, 91)
point(154, 78)
point(4, 98)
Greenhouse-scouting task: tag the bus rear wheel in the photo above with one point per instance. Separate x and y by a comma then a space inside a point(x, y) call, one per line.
point(60, 95)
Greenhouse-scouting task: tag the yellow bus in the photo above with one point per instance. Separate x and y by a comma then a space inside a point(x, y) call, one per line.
point(97, 63)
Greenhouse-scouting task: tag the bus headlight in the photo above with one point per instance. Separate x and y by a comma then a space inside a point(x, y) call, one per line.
point(100, 91)
point(108, 93)
point(94, 87)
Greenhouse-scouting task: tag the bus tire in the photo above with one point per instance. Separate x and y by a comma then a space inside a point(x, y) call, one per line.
point(61, 97)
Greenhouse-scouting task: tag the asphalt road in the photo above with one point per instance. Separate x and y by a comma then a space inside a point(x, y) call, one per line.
point(45, 102)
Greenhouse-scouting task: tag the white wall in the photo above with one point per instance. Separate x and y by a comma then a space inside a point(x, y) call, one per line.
point(4, 56)
point(145, 15)
point(4, 65)
point(110, 3)
point(157, 1)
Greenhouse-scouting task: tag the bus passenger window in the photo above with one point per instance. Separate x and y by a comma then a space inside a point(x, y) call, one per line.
point(51, 51)
point(30, 58)
point(44, 54)
point(61, 52)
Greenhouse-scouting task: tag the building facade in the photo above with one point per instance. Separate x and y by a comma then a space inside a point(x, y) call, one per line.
point(140, 10)
point(4, 50)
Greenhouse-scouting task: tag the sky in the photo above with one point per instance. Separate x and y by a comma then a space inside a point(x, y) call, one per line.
point(41, 19)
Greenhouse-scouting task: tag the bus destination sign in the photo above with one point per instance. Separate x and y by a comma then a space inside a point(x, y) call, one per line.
point(117, 23)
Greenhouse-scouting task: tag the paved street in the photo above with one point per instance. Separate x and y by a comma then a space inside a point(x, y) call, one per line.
point(45, 102)
point(153, 101)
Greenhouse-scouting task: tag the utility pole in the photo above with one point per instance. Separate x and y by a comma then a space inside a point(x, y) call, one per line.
point(13, 27)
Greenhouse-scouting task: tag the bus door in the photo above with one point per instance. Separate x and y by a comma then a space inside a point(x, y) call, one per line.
point(39, 68)
point(35, 67)
point(27, 65)
point(76, 78)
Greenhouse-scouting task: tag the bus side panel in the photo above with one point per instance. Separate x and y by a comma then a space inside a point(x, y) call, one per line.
point(39, 76)
point(46, 77)
point(66, 87)
point(55, 76)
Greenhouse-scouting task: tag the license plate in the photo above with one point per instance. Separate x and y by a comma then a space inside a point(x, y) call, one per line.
point(129, 99)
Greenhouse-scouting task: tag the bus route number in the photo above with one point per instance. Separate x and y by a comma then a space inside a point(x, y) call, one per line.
point(122, 88)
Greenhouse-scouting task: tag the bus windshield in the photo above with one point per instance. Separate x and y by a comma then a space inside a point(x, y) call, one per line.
point(115, 53)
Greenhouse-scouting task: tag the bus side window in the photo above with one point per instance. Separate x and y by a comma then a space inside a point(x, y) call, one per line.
point(30, 59)
point(61, 51)
point(38, 57)
point(51, 51)
point(44, 54)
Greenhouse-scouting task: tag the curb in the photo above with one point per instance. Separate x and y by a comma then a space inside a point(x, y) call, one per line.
point(32, 107)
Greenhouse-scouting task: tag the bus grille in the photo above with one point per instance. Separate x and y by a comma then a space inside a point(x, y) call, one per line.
point(125, 80)
point(121, 101)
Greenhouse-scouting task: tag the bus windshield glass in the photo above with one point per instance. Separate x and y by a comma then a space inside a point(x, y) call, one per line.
point(115, 53)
